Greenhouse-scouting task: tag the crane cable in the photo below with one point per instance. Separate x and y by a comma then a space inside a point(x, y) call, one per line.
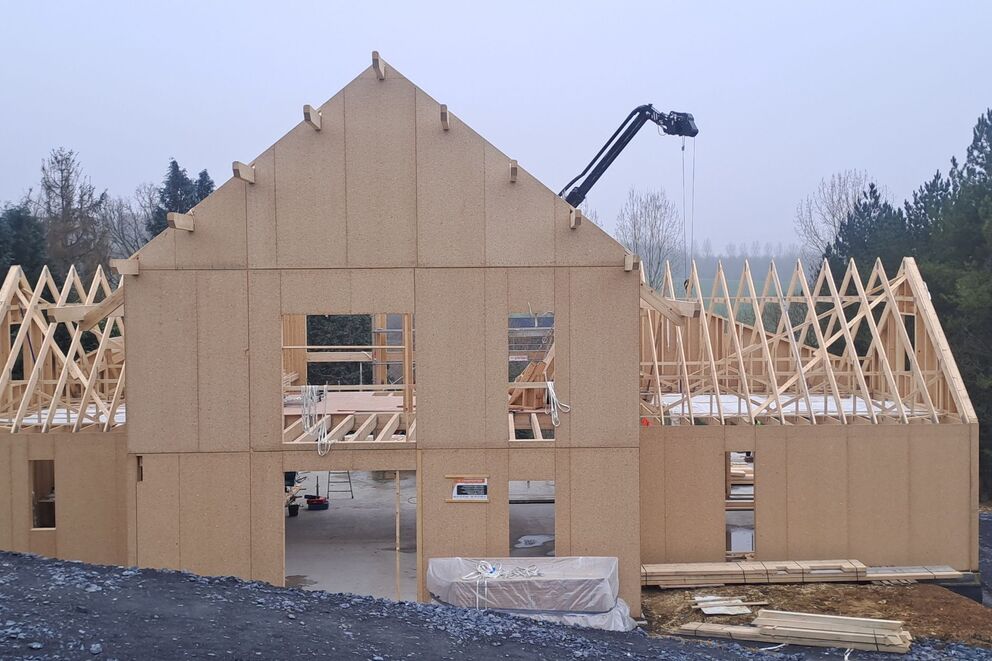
point(689, 247)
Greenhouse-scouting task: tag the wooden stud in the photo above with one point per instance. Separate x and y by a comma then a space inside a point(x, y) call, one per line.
point(243, 171)
point(180, 221)
point(444, 117)
point(513, 172)
point(378, 65)
point(311, 116)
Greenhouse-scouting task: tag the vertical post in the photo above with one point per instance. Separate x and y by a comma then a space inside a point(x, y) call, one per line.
point(407, 363)
point(398, 595)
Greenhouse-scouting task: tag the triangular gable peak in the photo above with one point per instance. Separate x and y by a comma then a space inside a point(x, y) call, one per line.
point(383, 182)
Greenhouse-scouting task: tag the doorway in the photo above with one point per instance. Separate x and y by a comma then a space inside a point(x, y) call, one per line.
point(532, 518)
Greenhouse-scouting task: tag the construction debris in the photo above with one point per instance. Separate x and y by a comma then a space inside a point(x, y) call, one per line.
point(785, 627)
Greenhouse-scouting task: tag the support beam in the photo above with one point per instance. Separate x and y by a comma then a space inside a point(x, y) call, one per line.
point(125, 266)
point(243, 171)
point(444, 117)
point(378, 65)
point(180, 221)
point(513, 172)
point(311, 116)
point(574, 218)
point(103, 309)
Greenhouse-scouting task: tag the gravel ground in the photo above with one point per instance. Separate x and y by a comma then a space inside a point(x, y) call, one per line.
point(51, 609)
point(985, 554)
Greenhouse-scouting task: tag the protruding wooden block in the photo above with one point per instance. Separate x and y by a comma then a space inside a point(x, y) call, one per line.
point(125, 266)
point(574, 218)
point(243, 172)
point(180, 221)
point(444, 117)
point(630, 261)
point(312, 116)
point(378, 65)
point(513, 171)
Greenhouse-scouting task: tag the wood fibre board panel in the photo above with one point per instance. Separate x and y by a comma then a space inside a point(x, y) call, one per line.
point(310, 192)
point(878, 489)
point(268, 535)
point(563, 502)
point(519, 216)
point(603, 333)
point(451, 218)
point(6, 497)
point(42, 446)
point(219, 240)
point(215, 513)
point(222, 360)
point(382, 290)
point(90, 522)
point(586, 245)
point(160, 252)
point(157, 505)
point(605, 512)
point(316, 291)
point(563, 362)
point(498, 515)
point(975, 539)
point(694, 498)
point(340, 458)
point(20, 493)
point(264, 360)
point(940, 497)
point(496, 360)
point(651, 478)
point(771, 493)
point(740, 438)
point(451, 389)
point(530, 290)
point(42, 541)
point(161, 362)
point(381, 181)
point(452, 529)
point(818, 496)
point(531, 464)
point(260, 213)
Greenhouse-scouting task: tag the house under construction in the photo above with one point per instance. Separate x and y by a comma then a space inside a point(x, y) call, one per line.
point(152, 422)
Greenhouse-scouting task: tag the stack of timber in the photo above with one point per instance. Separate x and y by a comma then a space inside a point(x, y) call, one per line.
point(706, 574)
point(780, 627)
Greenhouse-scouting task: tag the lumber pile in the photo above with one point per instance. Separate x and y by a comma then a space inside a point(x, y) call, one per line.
point(707, 574)
point(719, 605)
point(812, 629)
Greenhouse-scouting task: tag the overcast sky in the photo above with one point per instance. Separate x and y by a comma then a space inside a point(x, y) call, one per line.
point(784, 93)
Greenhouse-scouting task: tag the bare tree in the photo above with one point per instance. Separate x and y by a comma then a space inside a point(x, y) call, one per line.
point(125, 220)
point(818, 216)
point(648, 225)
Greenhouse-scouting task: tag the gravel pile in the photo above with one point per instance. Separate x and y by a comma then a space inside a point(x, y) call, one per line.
point(51, 609)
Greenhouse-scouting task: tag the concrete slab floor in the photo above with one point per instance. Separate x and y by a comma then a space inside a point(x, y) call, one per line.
point(350, 547)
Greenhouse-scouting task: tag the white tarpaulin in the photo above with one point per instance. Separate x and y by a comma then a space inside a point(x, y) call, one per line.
point(581, 591)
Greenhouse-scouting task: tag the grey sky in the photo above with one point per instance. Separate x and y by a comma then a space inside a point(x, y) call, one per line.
point(784, 93)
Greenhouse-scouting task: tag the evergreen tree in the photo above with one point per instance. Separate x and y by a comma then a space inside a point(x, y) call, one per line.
point(22, 241)
point(178, 194)
point(874, 228)
point(204, 186)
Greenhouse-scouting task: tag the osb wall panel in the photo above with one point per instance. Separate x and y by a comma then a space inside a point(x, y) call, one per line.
point(519, 216)
point(694, 488)
point(651, 478)
point(343, 459)
point(878, 494)
point(451, 387)
point(157, 507)
point(215, 513)
point(6, 496)
point(449, 226)
point(260, 213)
point(316, 291)
point(532, 464)
point(382, 290)
point(771, 493)
point(586, 245)
point(159, 253)
point(604, 512)
point(563, 350)
point(264, 360)
point(268, 547)
point(310, 192)
point(497, 356)
point(20, 493)
point(818, 497)
point(381, 153)
point(220, 237)
point(222, 360)
point(89, 510)
point(940, 499)
point(42, 541)
point(603, 357)
point(161, 363)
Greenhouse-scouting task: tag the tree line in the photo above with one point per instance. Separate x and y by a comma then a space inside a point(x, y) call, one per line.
point(946, 226)
point(66, 220)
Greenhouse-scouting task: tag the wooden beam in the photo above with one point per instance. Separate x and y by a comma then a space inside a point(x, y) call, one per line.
point(387, 431)
point(365, 430)
point(311, 116)
point(125, 266)
point(574, 218)
point(338, 357)
point(378, 66)
point(243, 171)
point(180, 221)
point(513, 171)
point(444, 117)
point(103, 309)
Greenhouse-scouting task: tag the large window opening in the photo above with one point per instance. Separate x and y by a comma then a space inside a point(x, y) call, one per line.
point(352, 532)
point(533, 405)
point(739, 505)
point(348, 379)
point(42, 476)
point(532, 518)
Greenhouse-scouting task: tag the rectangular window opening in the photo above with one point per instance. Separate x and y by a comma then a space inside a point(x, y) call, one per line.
point(42, 475)
point(530, 369)
point(348, 378)
point(532, 518)
point(739, 505)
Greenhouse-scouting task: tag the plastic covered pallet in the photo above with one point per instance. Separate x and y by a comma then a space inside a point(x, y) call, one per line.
point(580, 591)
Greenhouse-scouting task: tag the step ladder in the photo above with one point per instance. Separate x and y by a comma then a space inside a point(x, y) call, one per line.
point(340, 482)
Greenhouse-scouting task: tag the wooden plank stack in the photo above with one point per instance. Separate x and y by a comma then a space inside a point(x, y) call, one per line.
point(812, 629)
point(707, 574)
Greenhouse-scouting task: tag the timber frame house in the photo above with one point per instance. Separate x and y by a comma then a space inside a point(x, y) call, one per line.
point(843, 391)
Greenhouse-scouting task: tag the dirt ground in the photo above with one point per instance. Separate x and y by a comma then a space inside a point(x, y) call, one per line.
point(928, 611)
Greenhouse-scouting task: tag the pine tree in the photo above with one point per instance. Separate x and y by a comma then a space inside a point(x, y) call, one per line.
point(178, 194)
point(874, 228)
point(22, 241)
point(204, 186)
